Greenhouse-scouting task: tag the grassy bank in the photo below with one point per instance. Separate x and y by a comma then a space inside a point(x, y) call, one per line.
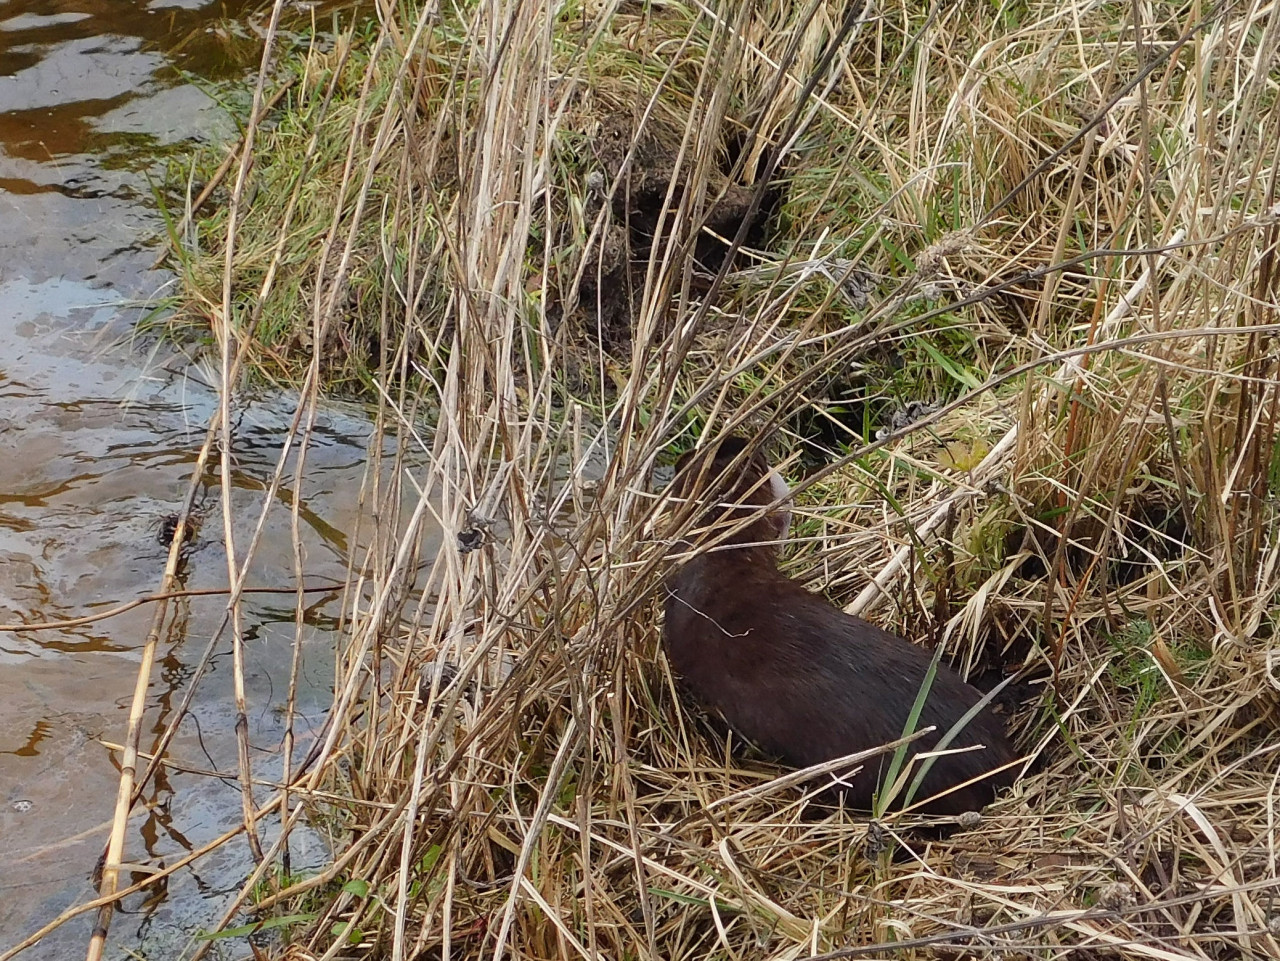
point(996, 282)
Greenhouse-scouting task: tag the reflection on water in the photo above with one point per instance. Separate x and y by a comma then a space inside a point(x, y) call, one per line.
point(97, 445)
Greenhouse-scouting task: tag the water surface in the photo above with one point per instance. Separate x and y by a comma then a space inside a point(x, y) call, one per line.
point(98, 438)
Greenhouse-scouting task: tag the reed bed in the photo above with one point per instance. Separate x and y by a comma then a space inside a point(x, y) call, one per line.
point(1009, 323)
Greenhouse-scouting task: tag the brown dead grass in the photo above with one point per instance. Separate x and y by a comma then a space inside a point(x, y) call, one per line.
point(1055, 225)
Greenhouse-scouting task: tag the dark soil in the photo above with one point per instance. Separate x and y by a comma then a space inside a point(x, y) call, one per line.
point(640, 182)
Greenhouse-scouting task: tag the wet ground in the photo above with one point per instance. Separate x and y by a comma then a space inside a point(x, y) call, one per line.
point(98, 437)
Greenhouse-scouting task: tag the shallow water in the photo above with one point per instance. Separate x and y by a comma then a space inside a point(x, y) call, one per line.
point(97, 442)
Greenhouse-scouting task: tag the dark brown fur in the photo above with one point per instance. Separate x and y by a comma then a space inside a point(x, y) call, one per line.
point(792, 673)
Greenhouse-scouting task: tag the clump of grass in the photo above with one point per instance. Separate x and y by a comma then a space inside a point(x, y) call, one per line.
point(1049, 224)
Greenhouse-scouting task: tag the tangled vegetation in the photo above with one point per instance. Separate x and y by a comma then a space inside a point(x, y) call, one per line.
point(997, 283)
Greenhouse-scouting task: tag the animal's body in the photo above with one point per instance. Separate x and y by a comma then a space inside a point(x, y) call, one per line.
point(794, 674)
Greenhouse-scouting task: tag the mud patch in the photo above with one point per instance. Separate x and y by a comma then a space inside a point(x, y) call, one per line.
point(846, 409)
point(636, 174)
point(1152, 533)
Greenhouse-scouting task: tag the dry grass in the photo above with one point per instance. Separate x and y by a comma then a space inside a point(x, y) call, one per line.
point(971, 198)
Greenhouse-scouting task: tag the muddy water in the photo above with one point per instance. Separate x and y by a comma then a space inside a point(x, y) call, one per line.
point(97, 442)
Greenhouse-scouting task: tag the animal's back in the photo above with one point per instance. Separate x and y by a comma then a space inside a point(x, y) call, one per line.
point(809, 683)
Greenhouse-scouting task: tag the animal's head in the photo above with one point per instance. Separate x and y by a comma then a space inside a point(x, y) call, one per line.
point(728, 483)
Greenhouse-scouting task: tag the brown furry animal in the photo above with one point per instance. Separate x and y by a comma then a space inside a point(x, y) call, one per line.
point(792, 673)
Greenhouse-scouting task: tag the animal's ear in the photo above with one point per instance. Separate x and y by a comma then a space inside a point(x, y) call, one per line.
point(717, 459)
point(731, 448)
